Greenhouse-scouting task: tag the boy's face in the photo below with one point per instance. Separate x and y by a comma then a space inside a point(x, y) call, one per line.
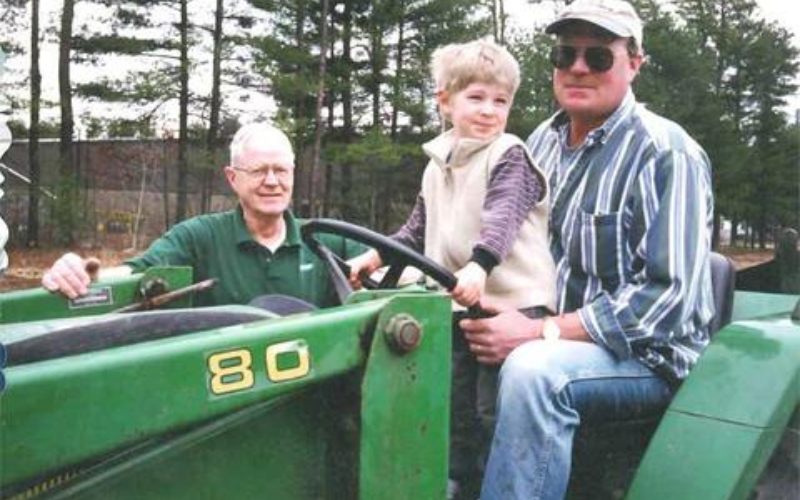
point(479, 111)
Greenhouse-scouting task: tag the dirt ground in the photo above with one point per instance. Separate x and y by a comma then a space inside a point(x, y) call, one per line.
point(26, 266)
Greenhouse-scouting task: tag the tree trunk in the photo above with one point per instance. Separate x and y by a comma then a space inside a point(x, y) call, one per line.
point(165, 181)
point(347, 109)
point(139, 205)
point(64, 87)
point(396, 90)
point(331, 100)
point(493, 8)
point(318, 125)
point(347, 93)
point(33, 136)
point(376, 50)
point(68, 176)
point(213, 117)
point(502, 15)
point(326, 199)
point(300, 187)
point(183, 119)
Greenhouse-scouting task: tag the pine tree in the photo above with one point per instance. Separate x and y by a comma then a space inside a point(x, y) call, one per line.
point(33, 133)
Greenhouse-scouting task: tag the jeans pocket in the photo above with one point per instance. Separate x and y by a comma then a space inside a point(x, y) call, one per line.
point(596, 245)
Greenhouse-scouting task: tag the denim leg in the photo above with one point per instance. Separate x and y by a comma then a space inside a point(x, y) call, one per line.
point(546, 390)
point(486, 395)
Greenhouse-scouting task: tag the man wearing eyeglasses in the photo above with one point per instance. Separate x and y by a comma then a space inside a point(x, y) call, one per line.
point(630, 232)
point(253, 250)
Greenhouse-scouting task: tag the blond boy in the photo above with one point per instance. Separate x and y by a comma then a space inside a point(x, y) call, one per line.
point(481, 213)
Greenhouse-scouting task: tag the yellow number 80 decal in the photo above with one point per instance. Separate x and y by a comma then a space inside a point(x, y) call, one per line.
point(301, 368)
point(232, 371)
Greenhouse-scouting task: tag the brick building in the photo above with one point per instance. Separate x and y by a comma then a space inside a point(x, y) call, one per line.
point(121, 181)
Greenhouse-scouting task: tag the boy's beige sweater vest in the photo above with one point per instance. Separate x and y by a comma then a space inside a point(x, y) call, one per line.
point(454, 188)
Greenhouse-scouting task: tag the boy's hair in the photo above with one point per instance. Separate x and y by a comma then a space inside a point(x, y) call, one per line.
point(454, 67)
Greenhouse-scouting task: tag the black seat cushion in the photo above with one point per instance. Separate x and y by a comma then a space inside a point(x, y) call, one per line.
point(723, 282)
point(282, 305)
point(116, 330)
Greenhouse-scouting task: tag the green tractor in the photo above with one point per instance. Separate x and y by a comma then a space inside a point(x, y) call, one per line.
point(109, 397)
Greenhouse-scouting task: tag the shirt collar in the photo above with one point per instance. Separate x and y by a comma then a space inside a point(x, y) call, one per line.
point(602, 133)
point(241, 232)
point(243, 236)
point(447, 151)
point(292, 229)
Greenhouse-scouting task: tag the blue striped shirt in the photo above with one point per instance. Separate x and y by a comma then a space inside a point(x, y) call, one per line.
point(630, 232)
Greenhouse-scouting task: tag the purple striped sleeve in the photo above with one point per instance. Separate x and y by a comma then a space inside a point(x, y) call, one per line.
point(412, 234)
point(514, 189)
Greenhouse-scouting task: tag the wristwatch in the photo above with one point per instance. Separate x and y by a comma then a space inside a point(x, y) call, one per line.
point(550, 329)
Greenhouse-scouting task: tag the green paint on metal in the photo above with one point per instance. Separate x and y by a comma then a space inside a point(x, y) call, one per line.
point(727, 417)
point(748, 375)
point(312, 406)
point(405, 407)
point(104, 296)
point(271, 450)
point(694, 458)
point(749, 305)
point(112, 398)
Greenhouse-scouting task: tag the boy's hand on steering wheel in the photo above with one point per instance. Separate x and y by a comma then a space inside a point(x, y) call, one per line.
point(471, 282)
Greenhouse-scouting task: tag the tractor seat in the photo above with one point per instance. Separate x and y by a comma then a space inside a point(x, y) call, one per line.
point(723, 283)
point(115, 330)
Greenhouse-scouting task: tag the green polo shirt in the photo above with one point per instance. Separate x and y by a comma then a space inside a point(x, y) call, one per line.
point(220, 246)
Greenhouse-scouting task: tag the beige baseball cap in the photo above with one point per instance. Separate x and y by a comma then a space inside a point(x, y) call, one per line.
point(616, 16)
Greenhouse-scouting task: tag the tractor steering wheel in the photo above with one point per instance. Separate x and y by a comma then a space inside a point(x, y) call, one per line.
point(398, 256)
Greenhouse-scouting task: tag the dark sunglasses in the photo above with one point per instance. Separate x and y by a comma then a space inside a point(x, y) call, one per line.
point(599, 59)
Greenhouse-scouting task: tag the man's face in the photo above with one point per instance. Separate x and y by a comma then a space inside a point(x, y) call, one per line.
point(262, 178)
point(479, 111)
point(589, 95)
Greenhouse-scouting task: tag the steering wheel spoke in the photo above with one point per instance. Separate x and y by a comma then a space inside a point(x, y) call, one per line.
point(392, 276)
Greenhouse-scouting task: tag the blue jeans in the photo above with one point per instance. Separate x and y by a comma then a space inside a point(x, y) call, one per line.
point(472, 405)
point(546, 390)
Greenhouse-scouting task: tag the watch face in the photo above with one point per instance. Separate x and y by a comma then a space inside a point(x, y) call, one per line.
point(550, 330)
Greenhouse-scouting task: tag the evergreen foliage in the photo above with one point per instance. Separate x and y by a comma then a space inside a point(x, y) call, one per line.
point(714, 66)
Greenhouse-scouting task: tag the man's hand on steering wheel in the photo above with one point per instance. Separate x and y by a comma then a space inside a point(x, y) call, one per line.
point(363, 265)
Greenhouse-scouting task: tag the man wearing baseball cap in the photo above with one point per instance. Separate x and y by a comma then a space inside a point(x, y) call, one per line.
point(630, 232)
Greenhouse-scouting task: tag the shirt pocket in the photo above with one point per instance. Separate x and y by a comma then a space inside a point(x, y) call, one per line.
point(595, 246)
